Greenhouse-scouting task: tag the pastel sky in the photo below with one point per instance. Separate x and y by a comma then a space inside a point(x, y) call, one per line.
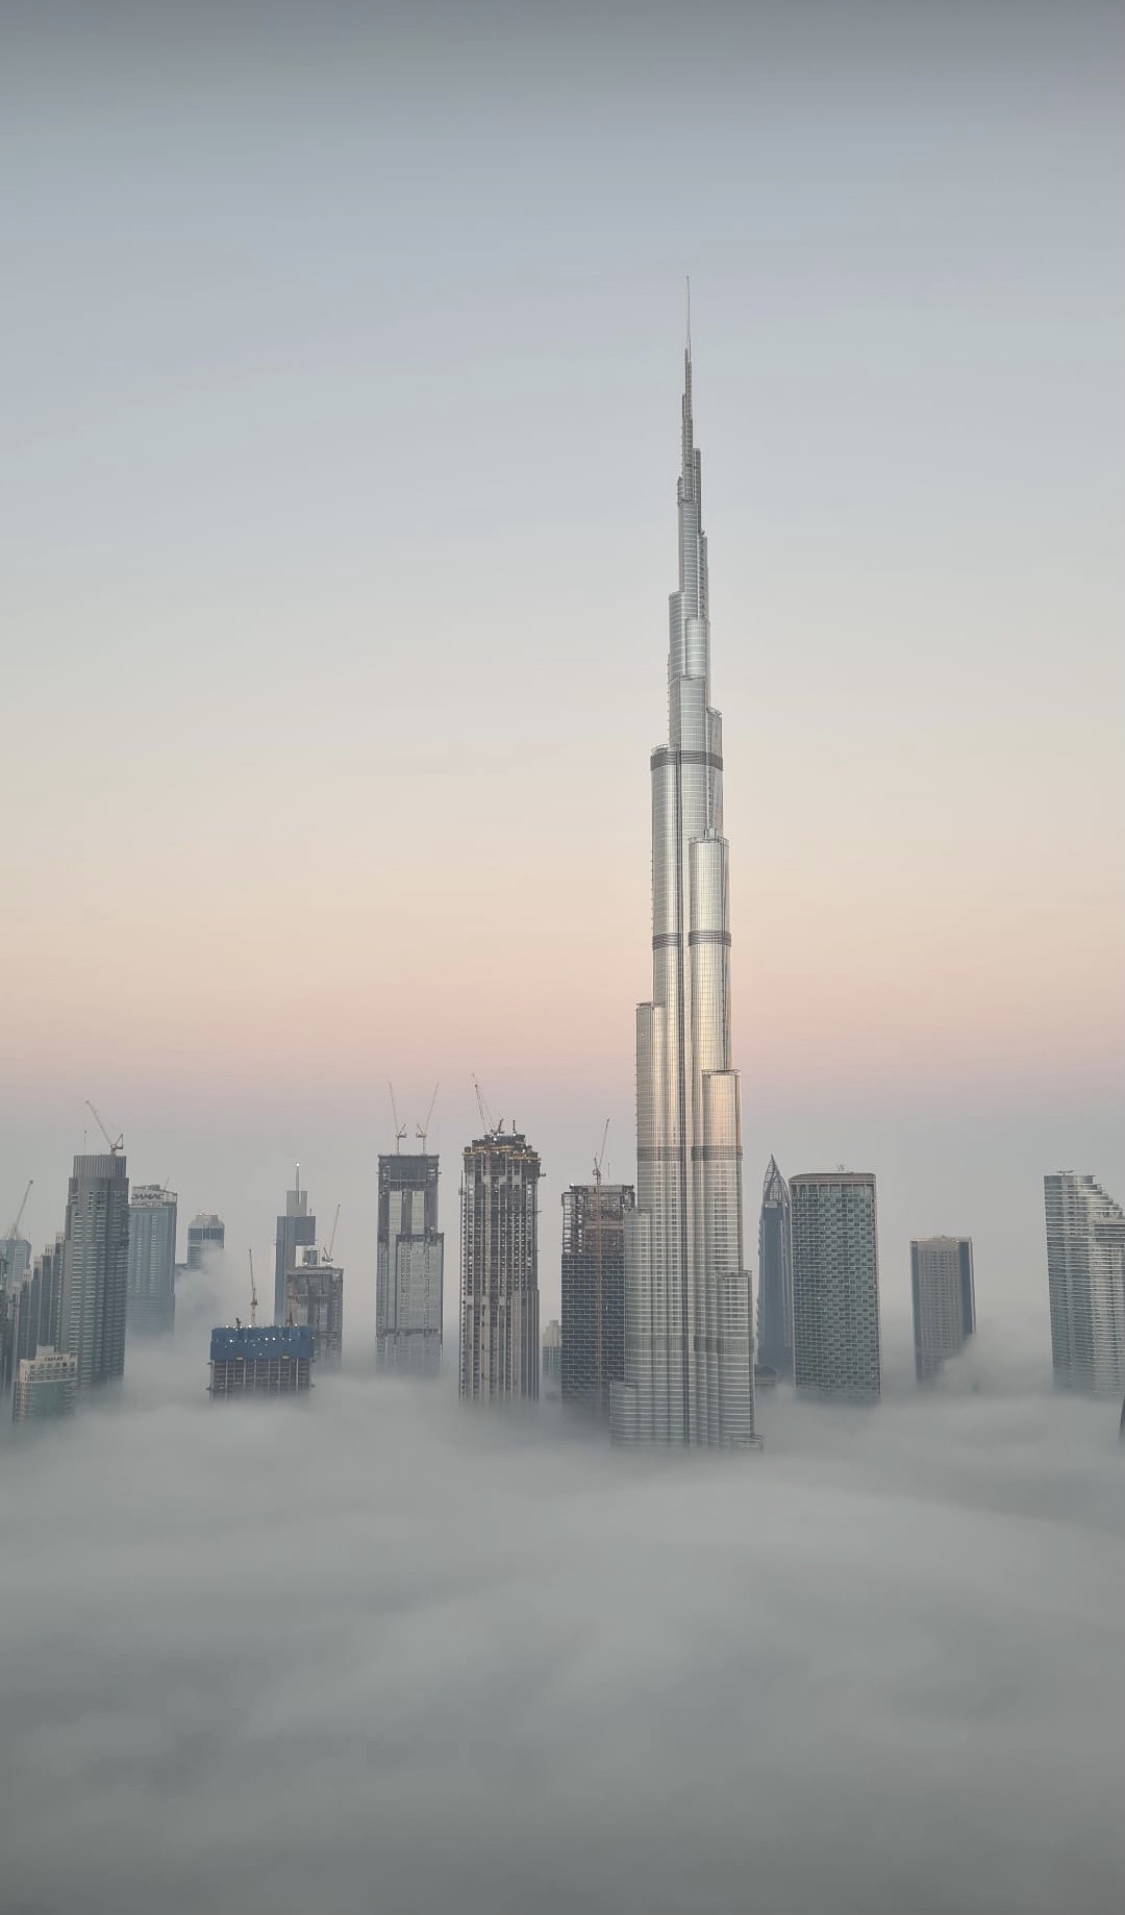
point(338, 472)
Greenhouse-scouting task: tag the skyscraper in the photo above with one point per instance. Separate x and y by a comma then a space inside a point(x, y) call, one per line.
point(314, 1295)
point(500, 1268)
point(261, 1360)
point(1086, 1280)
point(942, 1292)
point(206, 1233)
point(775, 1275)
point(410, 1270)
point(835, 1285)
point(552, 1358)
point(593, 1291)
point(296, 1231)
point(688, 1354)
point(15, 1257)
point(95, 1267)
point(151, 1308)
point(46, 1386)
point(40, 1302)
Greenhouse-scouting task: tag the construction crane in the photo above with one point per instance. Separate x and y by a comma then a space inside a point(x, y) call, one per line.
point(400, 1129)
point(600, 1158)
point(15, 1229)
point(423, 1129)
point(332, 1238)
point(115, 1145)
point(253, 1294)
point(485, 1113)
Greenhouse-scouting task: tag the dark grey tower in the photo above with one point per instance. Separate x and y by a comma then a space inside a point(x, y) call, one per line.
point(500, 1268)
point(775, 1275)
point(206, 1234)
point(96, 1268)
point(152, 1261)
point(944, 1299)
point(835, 1285)
point(593, 1291)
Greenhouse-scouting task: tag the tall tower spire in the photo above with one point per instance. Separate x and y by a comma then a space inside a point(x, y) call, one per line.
point(688, 1351)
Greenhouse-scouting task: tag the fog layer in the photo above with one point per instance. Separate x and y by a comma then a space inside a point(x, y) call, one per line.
point(373, 1652)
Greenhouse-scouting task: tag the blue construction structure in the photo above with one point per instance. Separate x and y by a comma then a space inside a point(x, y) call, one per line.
point(262, 1359)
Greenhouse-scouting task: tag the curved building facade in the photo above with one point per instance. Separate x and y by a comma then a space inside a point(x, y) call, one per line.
point(688, 1348)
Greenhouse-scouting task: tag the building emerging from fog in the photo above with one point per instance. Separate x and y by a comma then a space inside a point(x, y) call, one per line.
point(593, 1291)
point(500, 1268)
point(552, 1358)
point(15, 1259)
point(96, 1268)
point(1086, 1279)
point(206, 1235)
point(314, 1296)
point(410, 1271)
point(775, 1275)
point(39, 1305)
point(688, 1356)
point(151, 1307)
point(261, 1360)
point(296, 1231)
point(944, 1300)
point(46, 1386)
point(835, 1286)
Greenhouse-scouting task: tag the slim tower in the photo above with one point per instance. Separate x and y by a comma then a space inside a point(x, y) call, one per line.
point(1086, 1279)
point(296, 1231)
point(95, 1268)
point(593, 1292)
point(500, 1268)
point(775, 1275)
point(943, 1295)
point(410, 1272)
point(835, 1286)
point(688, 1347)
point(152, 1261)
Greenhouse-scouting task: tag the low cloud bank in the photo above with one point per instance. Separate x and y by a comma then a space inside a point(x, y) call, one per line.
point(374, 1652)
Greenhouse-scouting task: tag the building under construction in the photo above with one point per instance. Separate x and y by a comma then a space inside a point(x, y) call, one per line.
point(262, 1360)
point(593, 1291)
point(314, 1298)
point(500, 1268)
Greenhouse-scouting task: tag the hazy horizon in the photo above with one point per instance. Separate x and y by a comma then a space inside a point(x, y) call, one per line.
point(341, 436)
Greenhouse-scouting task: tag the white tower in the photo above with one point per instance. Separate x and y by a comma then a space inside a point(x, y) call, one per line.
point(1086, 1278)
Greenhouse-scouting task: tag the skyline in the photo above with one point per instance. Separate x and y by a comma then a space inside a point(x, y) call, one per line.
point(906, 316)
